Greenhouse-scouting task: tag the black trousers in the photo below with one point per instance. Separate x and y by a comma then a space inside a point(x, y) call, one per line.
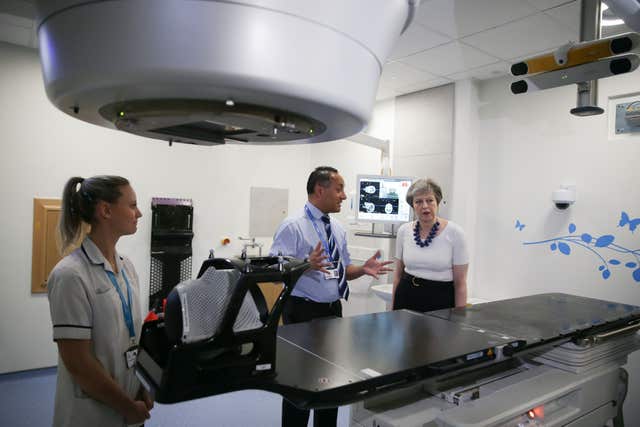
point(298, 310)
point(423, 295)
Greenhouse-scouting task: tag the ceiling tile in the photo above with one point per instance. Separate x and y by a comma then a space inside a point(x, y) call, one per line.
point(548, 4)
point(448, 59)
point(529, 35)
point(396, 74)
point(567, 15)
point(482, 73)
point(416, 39)
point(458, 18)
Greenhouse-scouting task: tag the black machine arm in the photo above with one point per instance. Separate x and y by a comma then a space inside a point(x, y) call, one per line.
point(230, 360)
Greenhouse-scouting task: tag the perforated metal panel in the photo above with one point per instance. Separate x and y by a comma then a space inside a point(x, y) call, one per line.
point(185, 269)
point(167, 270)
point(155, 285)
point(171, 236)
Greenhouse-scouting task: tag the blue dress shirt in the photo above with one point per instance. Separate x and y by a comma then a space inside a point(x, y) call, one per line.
point(297, 237)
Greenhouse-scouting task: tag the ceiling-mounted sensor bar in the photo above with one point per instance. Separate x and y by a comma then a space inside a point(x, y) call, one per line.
point(581, 63)
point(578, 54)
point(587, 97)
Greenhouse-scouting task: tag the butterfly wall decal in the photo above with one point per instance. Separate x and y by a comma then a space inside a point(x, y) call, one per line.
point(519, 225)
point(625, 220)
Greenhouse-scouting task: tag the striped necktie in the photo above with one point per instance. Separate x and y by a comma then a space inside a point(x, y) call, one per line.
point(343, 287)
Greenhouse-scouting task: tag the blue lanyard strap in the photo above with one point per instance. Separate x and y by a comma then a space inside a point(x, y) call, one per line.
point(126, 307)
point(319, 233)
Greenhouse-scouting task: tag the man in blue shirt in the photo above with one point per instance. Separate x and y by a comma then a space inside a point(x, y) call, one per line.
point(313, 235)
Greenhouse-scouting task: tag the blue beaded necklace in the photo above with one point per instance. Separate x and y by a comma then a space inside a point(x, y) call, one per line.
point(427, 241)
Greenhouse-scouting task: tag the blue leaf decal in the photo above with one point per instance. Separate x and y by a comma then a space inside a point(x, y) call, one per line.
point(604, 241)
point(586, 240)
point(564, 248)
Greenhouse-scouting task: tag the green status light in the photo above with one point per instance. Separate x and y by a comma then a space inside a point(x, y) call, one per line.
point(121, 114)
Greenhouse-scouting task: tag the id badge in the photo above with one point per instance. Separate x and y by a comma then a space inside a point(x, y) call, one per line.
point(130, 356)
point(332, 273)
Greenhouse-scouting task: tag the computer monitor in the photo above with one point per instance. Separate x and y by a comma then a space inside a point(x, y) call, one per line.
point(383, 199)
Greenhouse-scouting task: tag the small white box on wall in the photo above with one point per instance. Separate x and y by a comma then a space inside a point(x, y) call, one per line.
point(624, 117)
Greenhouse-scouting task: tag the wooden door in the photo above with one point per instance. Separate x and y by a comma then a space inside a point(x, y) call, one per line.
point(45, 255)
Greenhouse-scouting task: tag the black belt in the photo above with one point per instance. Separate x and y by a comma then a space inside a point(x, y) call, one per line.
point(310, 301)
point(418, 281)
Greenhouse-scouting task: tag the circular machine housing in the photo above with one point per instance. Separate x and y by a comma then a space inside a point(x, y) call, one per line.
point(209, 72)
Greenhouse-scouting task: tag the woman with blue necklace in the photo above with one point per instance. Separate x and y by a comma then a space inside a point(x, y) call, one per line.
point(431, 253)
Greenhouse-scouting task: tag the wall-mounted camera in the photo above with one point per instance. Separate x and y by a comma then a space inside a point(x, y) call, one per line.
point(564, 197)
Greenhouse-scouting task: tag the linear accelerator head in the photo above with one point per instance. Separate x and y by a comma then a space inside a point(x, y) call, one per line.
point(209, 72)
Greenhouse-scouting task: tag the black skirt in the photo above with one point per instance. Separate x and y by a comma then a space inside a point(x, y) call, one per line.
point(418, 294)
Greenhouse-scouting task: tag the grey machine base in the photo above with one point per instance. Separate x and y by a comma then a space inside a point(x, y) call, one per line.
point(566, 386)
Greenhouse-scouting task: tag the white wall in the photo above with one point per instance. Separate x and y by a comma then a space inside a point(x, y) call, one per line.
point(527, 146)
point(43, 147)
point(382, 126)
point(382, 121)
point(423, 137)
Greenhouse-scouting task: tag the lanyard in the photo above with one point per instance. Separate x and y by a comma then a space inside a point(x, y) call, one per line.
point(126, 308)
point(319, 233)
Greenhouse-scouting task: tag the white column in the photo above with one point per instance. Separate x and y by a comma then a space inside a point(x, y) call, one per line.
point(463, 202)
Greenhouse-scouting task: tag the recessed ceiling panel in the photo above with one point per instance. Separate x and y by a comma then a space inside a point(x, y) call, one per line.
point(567, 15)
point(449, 59)
point(533, 34)
point(416, 39)
point(458, 18)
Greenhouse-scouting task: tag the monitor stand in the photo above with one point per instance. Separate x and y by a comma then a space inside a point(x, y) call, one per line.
point(391, 235)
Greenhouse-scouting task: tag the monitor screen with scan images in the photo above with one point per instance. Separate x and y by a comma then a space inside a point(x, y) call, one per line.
point(383, 199)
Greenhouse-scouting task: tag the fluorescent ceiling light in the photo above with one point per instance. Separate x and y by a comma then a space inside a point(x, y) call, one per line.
point(611, 22)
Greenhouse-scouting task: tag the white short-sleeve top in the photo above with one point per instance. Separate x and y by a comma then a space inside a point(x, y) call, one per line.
point(85, 305)
point(436, 261)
